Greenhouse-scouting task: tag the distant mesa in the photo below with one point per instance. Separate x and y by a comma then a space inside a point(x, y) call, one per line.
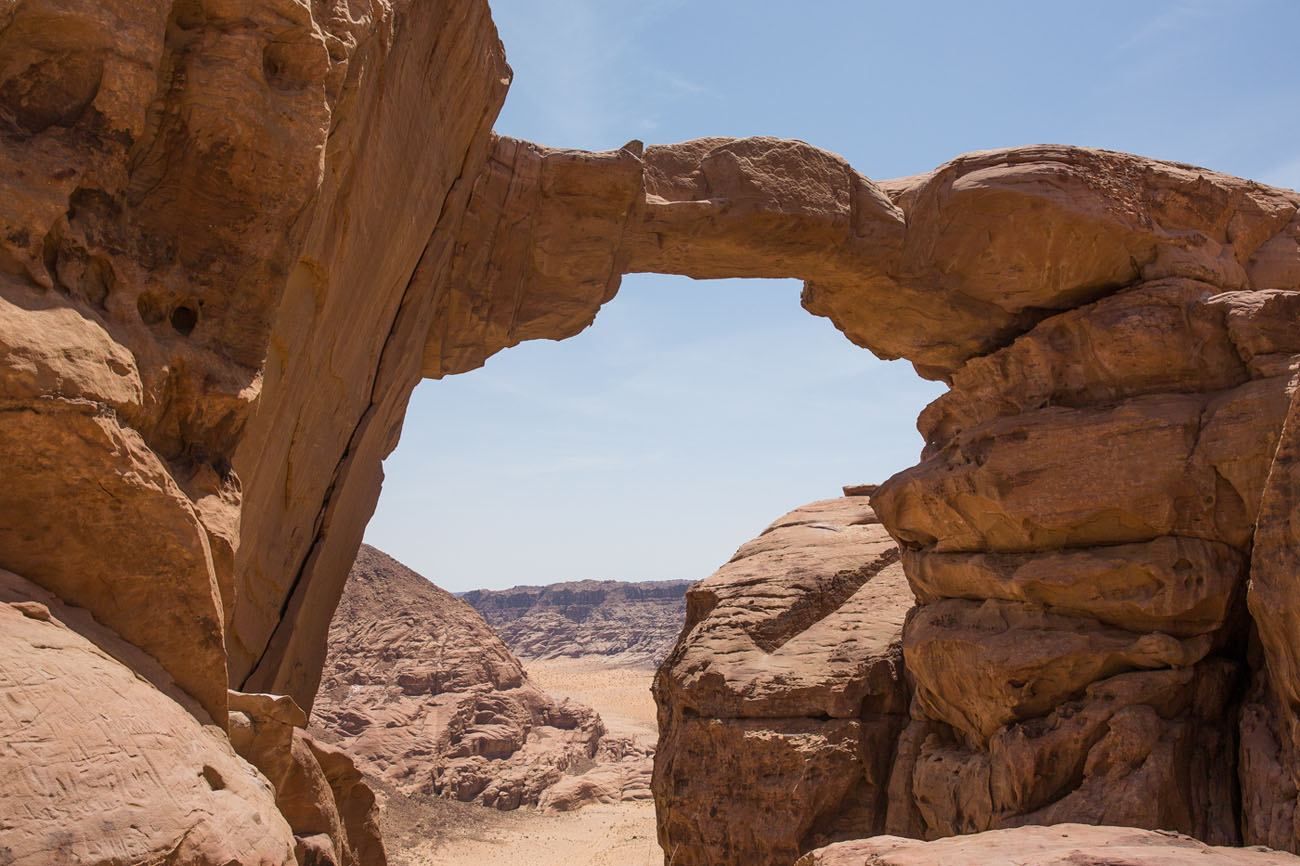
point(624, 623)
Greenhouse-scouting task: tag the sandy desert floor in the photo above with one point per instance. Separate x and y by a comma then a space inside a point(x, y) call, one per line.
point(440, 833)
point(620, 694)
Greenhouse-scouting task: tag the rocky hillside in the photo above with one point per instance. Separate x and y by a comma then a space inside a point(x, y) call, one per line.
point(630, 623)
point(426, 698)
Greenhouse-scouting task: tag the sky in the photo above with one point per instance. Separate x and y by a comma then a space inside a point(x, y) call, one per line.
point(693, 413)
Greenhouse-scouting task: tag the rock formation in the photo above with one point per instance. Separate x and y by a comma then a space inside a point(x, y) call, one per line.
point(421, 692)
point(235, 235)
point(217, 241)
point(624, 623)
point(780, 706)
point(318, 789)
point(1061, 845)
point(105, 760)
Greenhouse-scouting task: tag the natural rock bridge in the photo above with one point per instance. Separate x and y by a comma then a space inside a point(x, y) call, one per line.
point(236, 235)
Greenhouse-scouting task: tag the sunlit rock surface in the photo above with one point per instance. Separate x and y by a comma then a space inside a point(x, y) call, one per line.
point(234, 237)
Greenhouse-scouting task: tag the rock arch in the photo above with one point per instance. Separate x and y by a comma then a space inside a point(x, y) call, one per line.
point(234, 240)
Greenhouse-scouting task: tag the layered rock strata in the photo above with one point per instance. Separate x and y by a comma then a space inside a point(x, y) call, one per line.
point(429, 700)
point(622, 623)
point(1115, 333)
point(1080, 533)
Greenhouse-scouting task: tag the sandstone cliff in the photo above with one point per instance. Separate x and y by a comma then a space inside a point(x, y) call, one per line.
point(204, 355)
point(624, 623)
point(235, 235)
point(421, 692)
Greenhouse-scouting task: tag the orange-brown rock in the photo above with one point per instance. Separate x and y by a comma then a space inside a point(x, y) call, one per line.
point(103, 760)
point(194, 401)
point(1084, 509)
point(787, 685)
point(318, 790)
point(428, 699)
point(235, 235)
point(173, 250)
point(1174, 584)
point(1059, 845)
point(936, 269)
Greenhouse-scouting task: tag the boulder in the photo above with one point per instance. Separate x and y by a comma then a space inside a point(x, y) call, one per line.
point(787, 684)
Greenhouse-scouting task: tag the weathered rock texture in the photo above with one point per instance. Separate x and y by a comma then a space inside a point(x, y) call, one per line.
point(234, 235)
point(218, 236)
point(318, 789)
point(780, 706)
point(624, 623)
point(427, 698)
point(1059, 845)
point(104, 761)
point(1118, 336)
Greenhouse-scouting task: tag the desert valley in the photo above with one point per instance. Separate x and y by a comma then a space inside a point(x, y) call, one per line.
point(235, 235)
point(556, 741)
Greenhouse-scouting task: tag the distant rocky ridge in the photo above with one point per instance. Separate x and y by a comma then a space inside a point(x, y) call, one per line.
point(630, 623)
point(427, 699)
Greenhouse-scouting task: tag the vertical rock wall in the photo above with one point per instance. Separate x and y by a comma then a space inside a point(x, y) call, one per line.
point(216, 261)
point(344, 353)
point(218, 238)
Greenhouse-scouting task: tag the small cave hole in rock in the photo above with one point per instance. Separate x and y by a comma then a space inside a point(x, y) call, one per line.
point(581, 488)
point(184, 319)
point(213, 777)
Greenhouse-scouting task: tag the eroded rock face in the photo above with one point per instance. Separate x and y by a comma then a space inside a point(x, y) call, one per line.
point(1085, 511)
point(103, 760)
point(780, 705)
point(194, 401)
point(235, 235)
point(318, 789)
point(1060, 845)
point(623, 623)
point(426, 698)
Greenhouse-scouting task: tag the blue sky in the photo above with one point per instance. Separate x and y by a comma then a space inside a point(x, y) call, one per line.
point(693, 413)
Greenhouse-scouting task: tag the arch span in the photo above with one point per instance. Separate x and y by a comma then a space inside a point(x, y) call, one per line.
point(233, 239)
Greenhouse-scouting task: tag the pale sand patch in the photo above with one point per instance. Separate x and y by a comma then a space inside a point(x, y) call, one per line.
point(620, 694)
point(622, 835)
